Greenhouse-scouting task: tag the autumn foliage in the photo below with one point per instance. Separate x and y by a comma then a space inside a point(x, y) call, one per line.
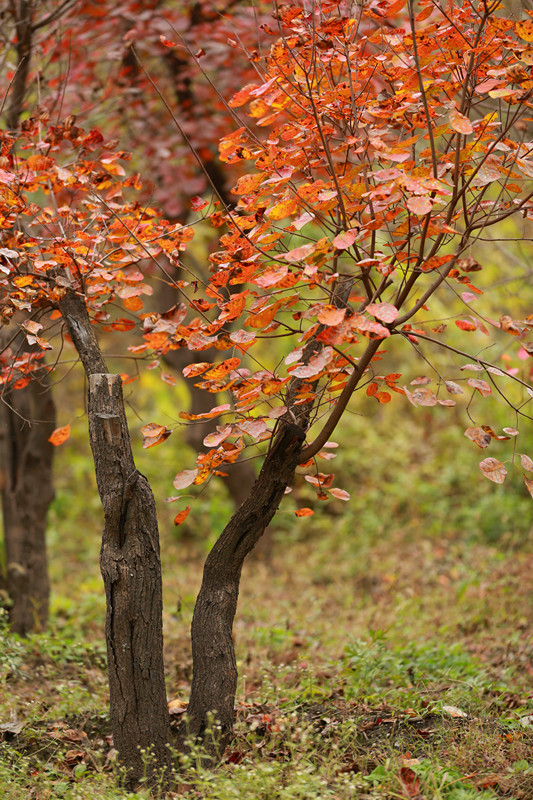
point(372, 159)
point(374, 147)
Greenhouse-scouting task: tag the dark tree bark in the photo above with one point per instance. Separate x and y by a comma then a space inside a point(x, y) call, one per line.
point(214, 668)
point(131, 568)
point(22, 12)
point(27, 418)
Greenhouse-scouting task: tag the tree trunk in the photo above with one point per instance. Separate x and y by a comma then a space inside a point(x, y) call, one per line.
point(27, 418)
point(131, 568)
point(214, 667)
point(214, 680)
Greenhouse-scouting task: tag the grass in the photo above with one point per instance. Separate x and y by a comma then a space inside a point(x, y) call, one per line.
point(384, 649)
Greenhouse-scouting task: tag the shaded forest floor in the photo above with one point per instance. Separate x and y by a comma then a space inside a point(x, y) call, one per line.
point(398, 668)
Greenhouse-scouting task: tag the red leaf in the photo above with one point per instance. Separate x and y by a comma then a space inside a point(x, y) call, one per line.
point(383, 397)
point(59, 436)
point(198, 203)
point(167, 42)
point(304, 512)
point(179, 518)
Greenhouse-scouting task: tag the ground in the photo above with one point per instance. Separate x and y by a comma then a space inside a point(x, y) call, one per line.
point(384, 646)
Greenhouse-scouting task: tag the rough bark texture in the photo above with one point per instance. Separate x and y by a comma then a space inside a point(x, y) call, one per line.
point(131, 569)
point(27, 418)
point(214, 667)
point(22, 12)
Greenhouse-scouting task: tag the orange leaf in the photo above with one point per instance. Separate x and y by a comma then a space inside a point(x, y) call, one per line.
point(247, 183)
point(152, 441)
point(123, 324)
point(219, 370)
point(179, 518)
point(39, 162)
point(59, 436)
point(242, 96)
point(153, 430)
point(263, 317)
point(133, 303)
point(524, 29)
point(304, 512)
point(331, 315)
point(383, 397)
point(208, 414)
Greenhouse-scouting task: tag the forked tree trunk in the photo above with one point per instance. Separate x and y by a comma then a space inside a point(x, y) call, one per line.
point(214, 680)
point(131, 568)
point(214, 667)
point(27, 418)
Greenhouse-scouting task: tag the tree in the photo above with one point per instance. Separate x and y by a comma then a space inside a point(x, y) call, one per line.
point(48, 44)
point(392, 144)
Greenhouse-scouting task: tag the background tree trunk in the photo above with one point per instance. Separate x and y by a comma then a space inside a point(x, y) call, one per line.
point(131, 568)
point(27, 418)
